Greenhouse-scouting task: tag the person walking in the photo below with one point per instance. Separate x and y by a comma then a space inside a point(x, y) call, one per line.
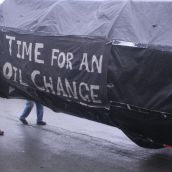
point(27, 110)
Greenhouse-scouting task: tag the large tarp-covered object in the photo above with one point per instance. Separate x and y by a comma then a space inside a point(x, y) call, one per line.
point(108, 61)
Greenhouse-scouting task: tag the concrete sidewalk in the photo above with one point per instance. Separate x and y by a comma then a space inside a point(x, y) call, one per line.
point(13, 108)
point(70, 144)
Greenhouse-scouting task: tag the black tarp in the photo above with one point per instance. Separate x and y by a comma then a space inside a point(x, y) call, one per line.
point(111, 64)
point(70, 67)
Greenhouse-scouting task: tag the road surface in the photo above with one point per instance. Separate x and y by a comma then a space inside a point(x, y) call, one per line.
point(70, 144)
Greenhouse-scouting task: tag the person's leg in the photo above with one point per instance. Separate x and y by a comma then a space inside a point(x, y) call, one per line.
point(40, 111)
point(1, 133)
point(27, 110)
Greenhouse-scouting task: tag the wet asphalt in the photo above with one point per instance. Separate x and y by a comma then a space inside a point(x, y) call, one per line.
point(52, 148)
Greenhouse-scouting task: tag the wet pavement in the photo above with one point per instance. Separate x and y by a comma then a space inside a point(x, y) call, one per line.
point(69, 144)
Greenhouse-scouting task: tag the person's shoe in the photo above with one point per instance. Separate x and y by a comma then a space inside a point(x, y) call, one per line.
point(1, 133)
point(41, 123)
point(24, 121)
